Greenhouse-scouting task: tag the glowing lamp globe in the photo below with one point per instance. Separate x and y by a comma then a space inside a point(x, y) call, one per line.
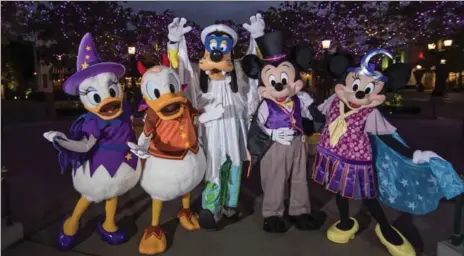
point(326, 44)
point(448, 42)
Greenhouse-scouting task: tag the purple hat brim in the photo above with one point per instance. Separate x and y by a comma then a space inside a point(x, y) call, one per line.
point(71, 85)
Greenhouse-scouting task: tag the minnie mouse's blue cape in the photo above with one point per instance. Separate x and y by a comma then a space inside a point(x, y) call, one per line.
point(409, 187)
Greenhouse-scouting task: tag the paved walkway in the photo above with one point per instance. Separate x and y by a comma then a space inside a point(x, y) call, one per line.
point(40, 195)
point(243, 238)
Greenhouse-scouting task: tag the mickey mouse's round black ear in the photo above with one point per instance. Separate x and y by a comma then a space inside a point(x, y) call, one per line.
point(303, 55)
point(339, 63)
point(251, 66)
point(398, 75)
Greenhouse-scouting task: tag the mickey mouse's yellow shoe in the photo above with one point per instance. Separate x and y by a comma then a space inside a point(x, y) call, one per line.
point(404, 249)
point(339, 236)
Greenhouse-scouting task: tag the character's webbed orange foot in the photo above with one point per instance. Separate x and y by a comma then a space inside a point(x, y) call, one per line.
point(153, 241)
point(188, 220)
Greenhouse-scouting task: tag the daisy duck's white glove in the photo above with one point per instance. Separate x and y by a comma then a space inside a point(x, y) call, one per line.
point(420, 157)
point(256, 26)
point(51, 135)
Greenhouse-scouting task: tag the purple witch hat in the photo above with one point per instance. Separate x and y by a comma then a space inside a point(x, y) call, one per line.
point(89, 65)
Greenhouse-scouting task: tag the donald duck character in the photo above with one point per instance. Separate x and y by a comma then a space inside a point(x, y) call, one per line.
point(96, 147)
point(175, 162)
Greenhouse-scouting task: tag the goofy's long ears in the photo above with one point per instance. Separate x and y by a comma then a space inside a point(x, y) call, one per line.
point(141, 68)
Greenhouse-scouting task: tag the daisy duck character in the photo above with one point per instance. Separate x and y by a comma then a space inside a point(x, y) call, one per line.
point(276, 138)
point(175, 162)
point(360, 155)
point(103, 167)
point(226, 102)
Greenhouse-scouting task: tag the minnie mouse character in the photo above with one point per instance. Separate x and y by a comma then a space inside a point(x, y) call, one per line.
point(279, 119)
point(357, 138)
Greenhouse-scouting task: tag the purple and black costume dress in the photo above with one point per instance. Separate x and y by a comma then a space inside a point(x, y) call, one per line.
point(346, 168)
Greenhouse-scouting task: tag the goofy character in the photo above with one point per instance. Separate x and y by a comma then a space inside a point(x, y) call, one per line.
point(276, 138)
point(357, 140)
point(226, 102)
point(103, 166)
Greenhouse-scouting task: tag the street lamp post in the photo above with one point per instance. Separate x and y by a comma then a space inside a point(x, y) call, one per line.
point(136, 94)
point(441, 72)
point(325, 85)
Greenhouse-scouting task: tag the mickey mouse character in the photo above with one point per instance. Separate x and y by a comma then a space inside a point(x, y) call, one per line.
point(276, 138)
point(357, 138)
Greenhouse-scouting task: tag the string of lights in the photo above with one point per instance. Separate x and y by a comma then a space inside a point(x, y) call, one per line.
point(352, 25)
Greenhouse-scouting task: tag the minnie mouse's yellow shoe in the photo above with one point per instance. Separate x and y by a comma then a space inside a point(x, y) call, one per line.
point(339, 236)
point(404, 249)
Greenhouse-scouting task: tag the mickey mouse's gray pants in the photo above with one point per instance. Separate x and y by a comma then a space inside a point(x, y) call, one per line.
point(280, 164)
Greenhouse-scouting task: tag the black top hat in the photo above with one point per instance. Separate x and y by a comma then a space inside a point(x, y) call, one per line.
point(271, 47)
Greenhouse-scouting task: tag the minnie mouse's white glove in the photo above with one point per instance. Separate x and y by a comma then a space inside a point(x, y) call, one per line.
point(420, 157)
point(176, 29)
point(256, 26)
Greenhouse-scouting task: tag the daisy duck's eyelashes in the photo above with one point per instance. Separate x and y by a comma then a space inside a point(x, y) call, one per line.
point(97, 89)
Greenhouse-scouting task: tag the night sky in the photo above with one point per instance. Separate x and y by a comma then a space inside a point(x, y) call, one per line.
point(205, 13)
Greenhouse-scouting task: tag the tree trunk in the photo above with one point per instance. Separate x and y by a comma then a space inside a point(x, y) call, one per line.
point(440, 81)
point(320, 90)
point(50, 102)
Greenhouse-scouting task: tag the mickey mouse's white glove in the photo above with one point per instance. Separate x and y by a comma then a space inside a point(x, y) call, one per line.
point(282, 135)
point(420, 157)
point(176, 29)
point(256, 26)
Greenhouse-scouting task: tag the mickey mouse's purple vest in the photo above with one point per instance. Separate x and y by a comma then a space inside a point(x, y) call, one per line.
point(280, 117)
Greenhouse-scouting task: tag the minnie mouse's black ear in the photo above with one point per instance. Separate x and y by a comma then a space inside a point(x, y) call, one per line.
point(339, 63)
point(398, 76)
point(303, 56)
point(251, 66)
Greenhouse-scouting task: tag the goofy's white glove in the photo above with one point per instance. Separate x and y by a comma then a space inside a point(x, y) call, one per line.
point(51, 135)
point(282, 135)
point(141, 148)
point(256, 26)
point(176, 29)
point(212, 112)
point(420, 157)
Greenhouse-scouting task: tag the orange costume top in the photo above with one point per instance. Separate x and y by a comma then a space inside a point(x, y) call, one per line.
point(172, 138)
